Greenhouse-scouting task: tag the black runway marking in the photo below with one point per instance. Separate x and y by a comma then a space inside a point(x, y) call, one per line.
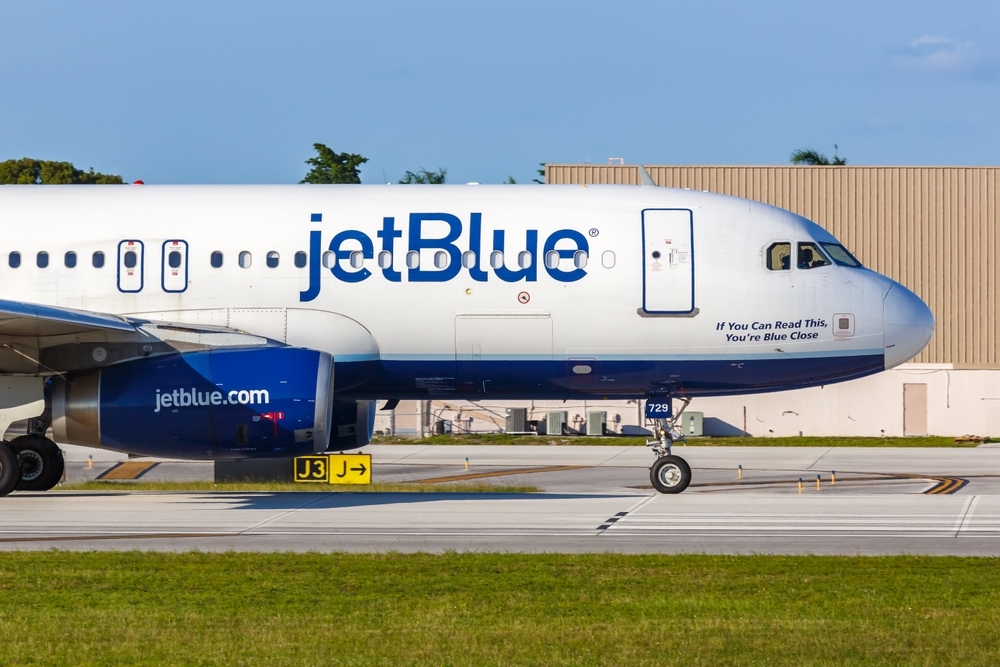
point(607, 524)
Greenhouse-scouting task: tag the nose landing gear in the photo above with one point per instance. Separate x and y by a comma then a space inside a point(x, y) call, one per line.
point(669, 473)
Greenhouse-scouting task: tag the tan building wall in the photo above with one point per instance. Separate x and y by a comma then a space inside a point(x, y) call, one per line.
point(934, 229)
point(949, 402)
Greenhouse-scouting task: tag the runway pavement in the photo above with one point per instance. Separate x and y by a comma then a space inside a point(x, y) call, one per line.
point(898, 500)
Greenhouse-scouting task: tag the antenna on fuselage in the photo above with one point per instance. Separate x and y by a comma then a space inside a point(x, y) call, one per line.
point(644, 177)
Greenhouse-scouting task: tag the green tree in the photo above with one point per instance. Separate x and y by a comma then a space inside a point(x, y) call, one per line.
point(424, 176)
point(28, 171)
point(811, 157)
point(331, 167)
point(510, 181)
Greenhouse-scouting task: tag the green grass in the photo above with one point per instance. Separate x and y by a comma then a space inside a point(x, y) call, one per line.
point(96, 608)
point(270, 487)
point(802, 441)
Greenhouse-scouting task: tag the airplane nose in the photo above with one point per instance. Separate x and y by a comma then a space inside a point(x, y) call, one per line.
point(909, 325)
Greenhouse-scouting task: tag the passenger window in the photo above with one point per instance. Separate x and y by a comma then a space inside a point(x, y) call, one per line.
point(174, 259)
point(130, 259)
point(70, 259)
point(271, 260)
point(811, 257)
point(42, 259)
point(413, 260)
point(552, 259)
point(329, 259)
point(440, 259)
point(14, 259)
point(524, 259)
point(608, 259)
point(357, 259)
point(97, 259)
point(580, 259)
point(468, 259)
point(779, 256)
point(246, 259)
point(385, 260)
point(300, 259)
point(496, 259)
point(216, 260)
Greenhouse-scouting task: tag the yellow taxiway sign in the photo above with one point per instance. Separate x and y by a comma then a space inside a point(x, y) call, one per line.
point(334, 469)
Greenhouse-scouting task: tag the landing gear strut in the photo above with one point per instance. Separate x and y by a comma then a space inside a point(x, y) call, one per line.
point(669, 473)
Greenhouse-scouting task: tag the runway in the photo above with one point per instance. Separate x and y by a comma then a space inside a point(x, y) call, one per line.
point(595, 499)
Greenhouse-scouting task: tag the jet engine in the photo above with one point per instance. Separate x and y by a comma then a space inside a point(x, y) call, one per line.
point(353, 425)
point(212, 404)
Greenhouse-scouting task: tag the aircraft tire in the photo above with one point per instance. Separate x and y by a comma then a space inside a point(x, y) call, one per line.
point(10, 469)
point(670, 474)
point(41, 462)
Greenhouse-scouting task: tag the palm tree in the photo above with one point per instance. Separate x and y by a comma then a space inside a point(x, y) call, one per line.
point(541, 172)
point(424, 176)
point(811, 157)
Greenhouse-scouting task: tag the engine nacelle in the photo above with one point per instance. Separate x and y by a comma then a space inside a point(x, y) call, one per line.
point(353, 425)
point(215, 404)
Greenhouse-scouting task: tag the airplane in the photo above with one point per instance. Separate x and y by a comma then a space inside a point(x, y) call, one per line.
point(236, 322)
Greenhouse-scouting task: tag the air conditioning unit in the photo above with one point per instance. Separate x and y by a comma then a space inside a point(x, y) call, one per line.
point(691, 423)
point(517, 420)
point(596, 422)
point(555, 420)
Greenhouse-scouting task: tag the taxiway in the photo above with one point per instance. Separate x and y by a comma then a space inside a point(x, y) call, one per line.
point(593, 499)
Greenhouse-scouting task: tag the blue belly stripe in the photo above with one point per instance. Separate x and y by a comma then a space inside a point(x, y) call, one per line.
point(415, 379)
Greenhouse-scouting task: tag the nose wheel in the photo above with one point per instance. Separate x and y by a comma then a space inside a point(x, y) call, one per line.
point(670, 474)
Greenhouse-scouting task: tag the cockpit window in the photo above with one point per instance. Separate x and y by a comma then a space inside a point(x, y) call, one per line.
point(840, 255)
point(779, 256)
point(811, 257)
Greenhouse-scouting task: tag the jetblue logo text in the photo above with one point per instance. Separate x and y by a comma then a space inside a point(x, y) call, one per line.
point(437, 249)
point(185, 398)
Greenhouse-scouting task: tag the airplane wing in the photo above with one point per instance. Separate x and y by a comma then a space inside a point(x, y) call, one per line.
point(18, 318)
point(50, 340)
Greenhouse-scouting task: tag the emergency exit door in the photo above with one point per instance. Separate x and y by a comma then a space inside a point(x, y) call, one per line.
point(131, 261)
point(668, 261)
point(174, 276)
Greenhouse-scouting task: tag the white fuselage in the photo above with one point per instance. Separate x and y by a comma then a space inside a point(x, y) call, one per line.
point(602, 316)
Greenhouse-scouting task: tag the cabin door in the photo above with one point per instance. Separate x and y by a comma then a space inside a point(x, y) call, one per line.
point(668, 262)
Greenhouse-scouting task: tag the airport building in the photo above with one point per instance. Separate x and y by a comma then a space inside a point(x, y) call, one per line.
point(933, 229)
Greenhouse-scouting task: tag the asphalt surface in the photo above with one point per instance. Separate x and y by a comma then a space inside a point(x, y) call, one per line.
point(593, 499)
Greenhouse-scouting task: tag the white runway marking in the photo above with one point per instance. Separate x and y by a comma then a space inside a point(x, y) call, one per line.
point(792, 515)
point(516, 522)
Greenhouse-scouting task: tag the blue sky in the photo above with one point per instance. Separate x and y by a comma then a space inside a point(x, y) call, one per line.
point(219, 92)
